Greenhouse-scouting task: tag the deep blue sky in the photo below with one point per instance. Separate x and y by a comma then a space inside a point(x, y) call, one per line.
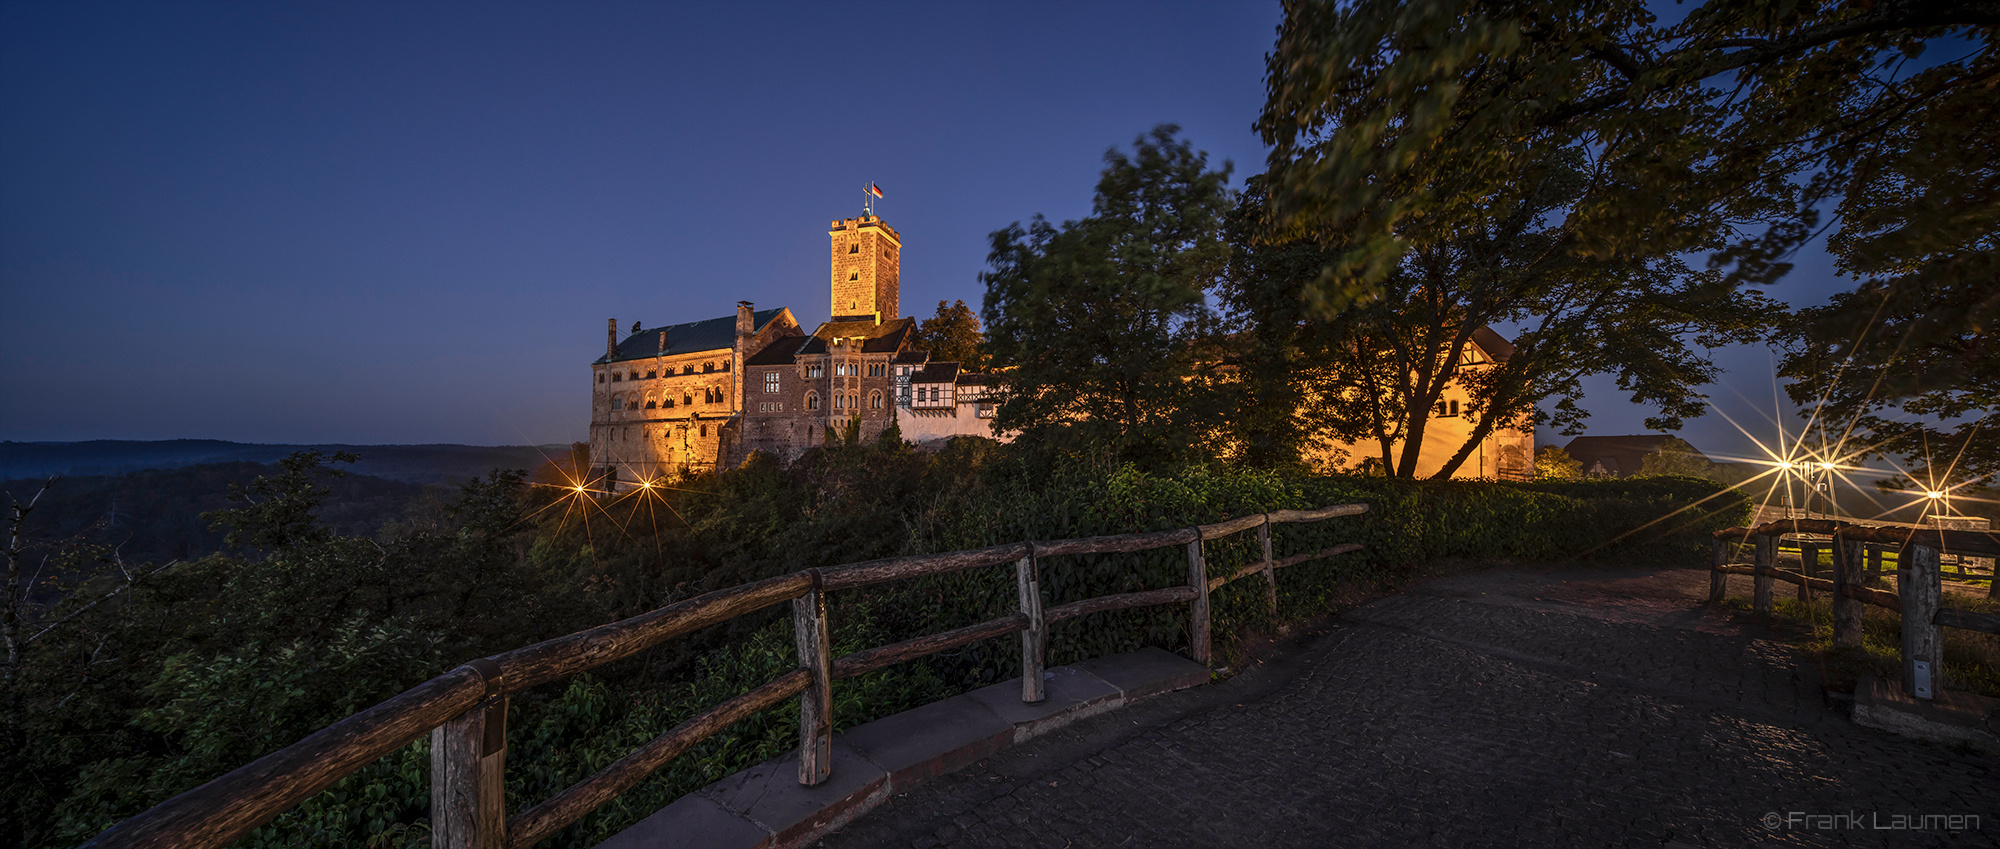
point(408, 223)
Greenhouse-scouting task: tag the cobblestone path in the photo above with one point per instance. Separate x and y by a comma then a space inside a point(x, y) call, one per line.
point(1506, 708)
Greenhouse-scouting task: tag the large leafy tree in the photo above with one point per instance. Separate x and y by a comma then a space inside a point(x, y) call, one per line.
point(1371, 362)
point(953, 336)
point(1099, 320)
point(1398, 124)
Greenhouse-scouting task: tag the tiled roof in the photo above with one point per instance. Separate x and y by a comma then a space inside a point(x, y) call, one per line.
point(686, 338)
point(779, 353)
point(912, 356)
point(883, 338)
point(937, 373)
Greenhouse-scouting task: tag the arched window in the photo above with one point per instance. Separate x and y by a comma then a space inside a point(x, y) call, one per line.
point(854, 248)
point(874, 400)
point(812, 400)
point(853, 403)
point(687, 397)
point(837, 402)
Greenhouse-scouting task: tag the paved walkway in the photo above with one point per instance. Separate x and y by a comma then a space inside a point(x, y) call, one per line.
point(1505, 708)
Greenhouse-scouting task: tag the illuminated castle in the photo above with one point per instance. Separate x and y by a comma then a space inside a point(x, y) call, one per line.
point(689, 397)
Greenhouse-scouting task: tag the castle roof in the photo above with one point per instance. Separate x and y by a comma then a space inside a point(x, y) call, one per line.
point(1620, 455)
point(946, 372)
point(686, 338)
point(779, 353)
point(1497, 348)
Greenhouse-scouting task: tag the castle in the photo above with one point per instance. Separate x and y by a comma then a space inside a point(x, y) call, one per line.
point(702, 395)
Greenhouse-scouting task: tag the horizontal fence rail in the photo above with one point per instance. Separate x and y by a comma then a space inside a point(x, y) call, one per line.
point(1857, 552)
point(464, 710)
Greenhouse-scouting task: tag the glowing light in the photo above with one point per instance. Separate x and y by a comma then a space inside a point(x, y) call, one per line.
point(1933, 495)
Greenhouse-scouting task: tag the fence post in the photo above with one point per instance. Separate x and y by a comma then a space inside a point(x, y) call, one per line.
point(1760, 583)
point(1808, 561)
point(1847, 612)
point(468, 771)
point(1270, 573)
point(1198, 608)
point(809, 631)
point(1034, 639)
point(1920, 582)
point(1718, 580)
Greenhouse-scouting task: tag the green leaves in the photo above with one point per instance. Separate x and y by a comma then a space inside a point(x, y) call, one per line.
point(1099, 320)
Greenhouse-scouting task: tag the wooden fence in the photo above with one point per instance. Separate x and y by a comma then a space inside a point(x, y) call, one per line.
point(1857, 553)
point(465, 710)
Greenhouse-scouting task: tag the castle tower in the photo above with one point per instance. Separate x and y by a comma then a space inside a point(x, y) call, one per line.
point(866, 254)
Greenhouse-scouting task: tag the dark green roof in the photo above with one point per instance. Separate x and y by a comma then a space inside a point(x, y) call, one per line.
point(686, 338)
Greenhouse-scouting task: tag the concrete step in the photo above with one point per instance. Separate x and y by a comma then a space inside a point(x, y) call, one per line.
point(765, 806)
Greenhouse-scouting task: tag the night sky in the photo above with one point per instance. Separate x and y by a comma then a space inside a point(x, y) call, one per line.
point(393, 223)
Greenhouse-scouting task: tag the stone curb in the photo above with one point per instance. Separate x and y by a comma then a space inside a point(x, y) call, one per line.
point(765, 807)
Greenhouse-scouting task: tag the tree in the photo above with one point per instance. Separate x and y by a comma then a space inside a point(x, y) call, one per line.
point(1101, 319)
point(1554, 464)
point(1676, 457)
point(953, 336)
point(1373, 368)
point(1727, 132)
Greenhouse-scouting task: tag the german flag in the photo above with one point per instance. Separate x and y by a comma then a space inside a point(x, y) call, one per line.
point(874, 190)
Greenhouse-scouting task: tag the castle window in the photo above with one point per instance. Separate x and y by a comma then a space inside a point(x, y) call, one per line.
point(704, 430)
point(812, 400)
point(687, 397)
point(816, 370)
point(854, 248)
point(877, 369)
point(837, 402)
point(652, 374)
point(651, 405)
point(617, 403)
point(707, 367)
point(617, 376)
point(633, 376)
point(853, 403)
point(687, 369)
point(770, 381)
point(725, 365)
point(668, 403)
point(600, 377)
point(874, 400)
point(1447, 409)
point(853, 275)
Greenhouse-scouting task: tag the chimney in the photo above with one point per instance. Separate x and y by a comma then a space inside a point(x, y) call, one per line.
point(663, 343)
point(746, 321)
point(611, 341)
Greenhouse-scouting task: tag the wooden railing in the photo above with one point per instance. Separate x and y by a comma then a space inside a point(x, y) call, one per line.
point(1919, 580)
point(465, 710)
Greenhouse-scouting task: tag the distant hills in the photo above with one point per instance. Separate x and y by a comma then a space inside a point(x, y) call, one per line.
point(420, 464)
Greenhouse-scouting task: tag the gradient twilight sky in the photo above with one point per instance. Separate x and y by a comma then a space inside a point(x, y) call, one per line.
point(380, 223)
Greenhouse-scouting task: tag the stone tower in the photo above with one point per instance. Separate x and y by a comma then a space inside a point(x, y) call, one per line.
point(865, 256)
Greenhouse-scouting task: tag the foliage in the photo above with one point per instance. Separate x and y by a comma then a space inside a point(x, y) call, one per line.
point(1099, 319)
point(146, 700)
point(1676, 457)
point(953, 336)
point(1407, 149)
point(1727, 132)
point(1552, 463)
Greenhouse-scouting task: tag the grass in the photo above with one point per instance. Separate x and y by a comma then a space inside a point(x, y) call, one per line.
point(1971, 658)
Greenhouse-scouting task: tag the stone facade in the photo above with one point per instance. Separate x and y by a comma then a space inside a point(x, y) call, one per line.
point(1507, 453)
point(665, 401)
